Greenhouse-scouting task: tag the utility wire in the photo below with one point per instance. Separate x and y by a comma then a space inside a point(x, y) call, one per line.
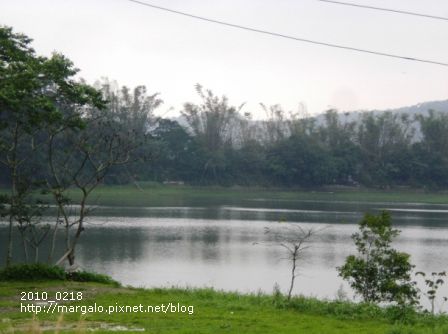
point(386, 9)
point(289, 37)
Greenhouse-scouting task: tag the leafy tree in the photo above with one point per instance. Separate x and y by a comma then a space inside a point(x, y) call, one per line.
point(32, 90)
point(276, 126)
point(176, 154)
point(431, 153)
point(252, 154)
point(300, 160)
point(379, 273)
point(132, 112)
point(211, 124)
point(384, 141)
point(338, 137)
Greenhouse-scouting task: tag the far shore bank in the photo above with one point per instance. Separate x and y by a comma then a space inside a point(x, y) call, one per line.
point(174, 195)
point(155, 194)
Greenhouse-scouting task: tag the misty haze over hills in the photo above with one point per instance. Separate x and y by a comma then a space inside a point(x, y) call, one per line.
point(418, 109)
point(422, 108)
point(354, 116)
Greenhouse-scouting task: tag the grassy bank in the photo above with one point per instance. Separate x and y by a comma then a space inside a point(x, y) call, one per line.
point(155, 195)
point(213, 312)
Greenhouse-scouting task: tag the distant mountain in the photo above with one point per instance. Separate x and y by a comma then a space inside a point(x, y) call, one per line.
point(418, 109)
point(423, 108)
point(355, 116)
point(411, 111)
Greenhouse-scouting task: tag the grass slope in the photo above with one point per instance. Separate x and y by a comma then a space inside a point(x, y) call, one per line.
point(214, 312)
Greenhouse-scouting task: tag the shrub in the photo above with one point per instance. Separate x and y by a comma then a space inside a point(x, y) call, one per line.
point(85, 276)
point(379, 273)
point(32, 272)
point(43, 272)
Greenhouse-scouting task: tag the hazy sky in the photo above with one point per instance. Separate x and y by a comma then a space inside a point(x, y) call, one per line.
point(170, 54)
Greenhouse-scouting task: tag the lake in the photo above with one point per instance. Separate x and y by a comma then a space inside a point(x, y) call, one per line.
point(225, 246)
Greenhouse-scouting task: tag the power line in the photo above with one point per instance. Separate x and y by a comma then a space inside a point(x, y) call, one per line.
point(290, 37)
point(386, 9)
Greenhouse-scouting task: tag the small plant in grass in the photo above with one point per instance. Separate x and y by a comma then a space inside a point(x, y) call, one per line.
point(379, 273)
point(341, 294)
point(433, 282)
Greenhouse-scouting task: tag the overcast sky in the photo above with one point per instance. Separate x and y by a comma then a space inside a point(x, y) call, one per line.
point(137, 45)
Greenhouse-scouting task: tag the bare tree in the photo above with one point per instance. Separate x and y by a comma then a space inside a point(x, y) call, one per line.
point(295, 240)
point(79, 159)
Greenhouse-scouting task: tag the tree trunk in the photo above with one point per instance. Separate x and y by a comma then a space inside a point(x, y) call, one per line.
point(9, 251)
point(293, 271)
point(53, 241)
point(13, 166)
point(25, 249)
point(36, 254)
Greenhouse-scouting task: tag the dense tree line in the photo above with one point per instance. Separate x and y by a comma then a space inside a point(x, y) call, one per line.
point(218, 144)
point(211, 143)
point(215, 143)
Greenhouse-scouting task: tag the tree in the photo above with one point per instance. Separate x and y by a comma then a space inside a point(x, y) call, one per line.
point(379, 273)
point(276, 126)
point(131, 111)
point(338, 137)
point(300, 160)
point(384, 142)
point(211, 124)
point(432, 151)
point(178, 155)
point(32, 89)
point(294, 240)
point(81, 158)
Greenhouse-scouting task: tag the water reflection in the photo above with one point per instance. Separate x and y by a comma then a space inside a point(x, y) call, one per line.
point(237, 254)
point(292, 211)
point(226, 246)
point(102, 244)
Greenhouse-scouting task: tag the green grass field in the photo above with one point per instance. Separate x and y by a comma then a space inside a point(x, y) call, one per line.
point(213, 312)
point(158, 195)
point(153, 194)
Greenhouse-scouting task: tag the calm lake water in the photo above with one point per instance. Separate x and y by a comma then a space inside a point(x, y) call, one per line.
point(225, 246)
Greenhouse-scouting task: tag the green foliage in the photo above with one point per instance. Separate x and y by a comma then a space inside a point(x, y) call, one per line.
point(33, 87)
point(219, 145)
point(85, 276)
point(45, 272)
point(379, 273)
point(433, 282)
point(37, 95)
point(32, 272)
point(374, 150)
point(353, 311)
